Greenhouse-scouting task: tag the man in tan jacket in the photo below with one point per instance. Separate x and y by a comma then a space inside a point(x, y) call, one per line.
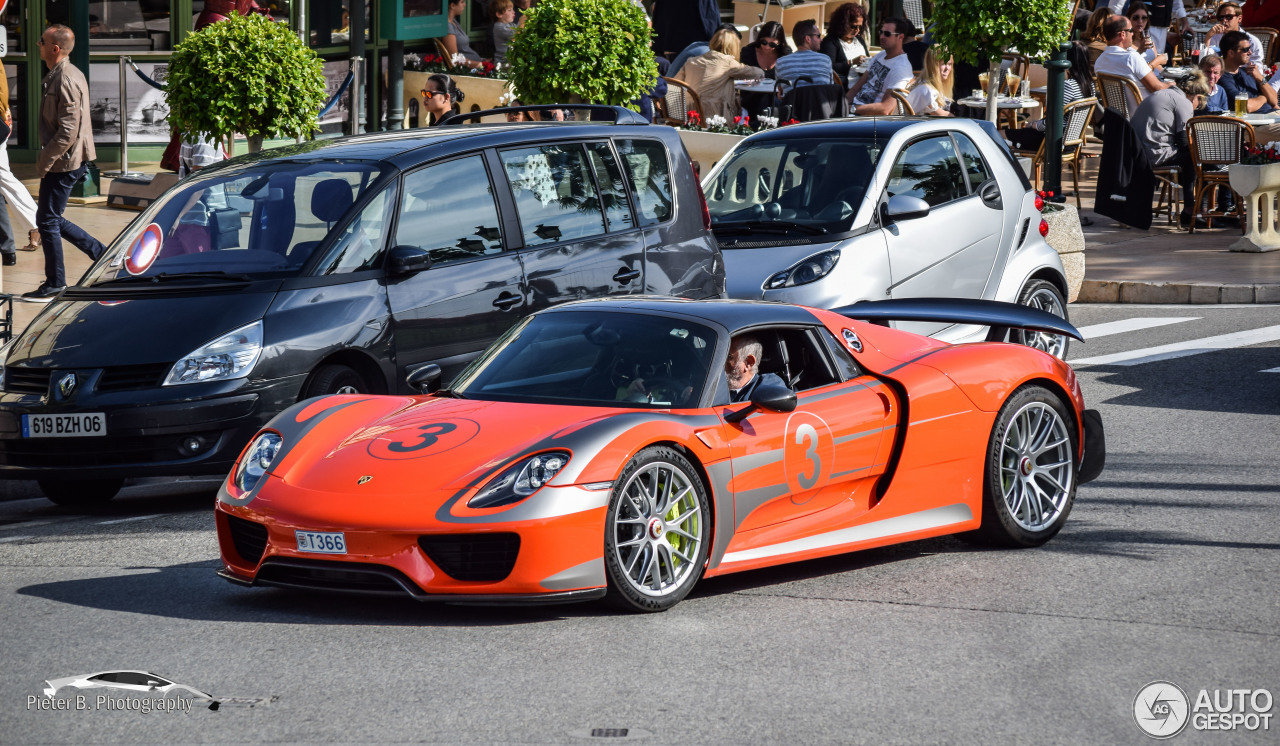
point(66, 147)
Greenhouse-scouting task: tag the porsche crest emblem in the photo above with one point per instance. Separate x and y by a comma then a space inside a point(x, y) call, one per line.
point(363, 479)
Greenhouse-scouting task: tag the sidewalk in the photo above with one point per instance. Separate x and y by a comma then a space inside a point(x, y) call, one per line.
point(1121, 264)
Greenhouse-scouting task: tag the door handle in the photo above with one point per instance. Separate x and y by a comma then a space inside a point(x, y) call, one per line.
point(506, 300)
point(626, 275)
point(990, 194)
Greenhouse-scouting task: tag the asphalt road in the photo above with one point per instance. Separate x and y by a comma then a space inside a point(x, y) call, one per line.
point(1166, 571)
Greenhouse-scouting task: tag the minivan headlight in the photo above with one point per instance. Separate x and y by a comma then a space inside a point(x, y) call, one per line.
point(521, 479)
point(809, 270)
point(230, 356)
point(257, 458)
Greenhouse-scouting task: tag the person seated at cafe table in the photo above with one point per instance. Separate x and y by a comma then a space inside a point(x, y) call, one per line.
point(1230, 18)
point(1077, 85)
point(1143, 42)
point(1094, 37)
point(1162, 14)
point(1161, 123)
point(844, 42)
point(712, 76)
point(890, 68)
point(931, 93)
point(1119, 59)
point(806, 61)
point(1216, 103)
point(1240, 76)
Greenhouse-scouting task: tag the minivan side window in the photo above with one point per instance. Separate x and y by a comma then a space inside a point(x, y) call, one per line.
point(617, 209)
point(449, 210)
point(650, 174)
point(929, 169)
point(362, 242)
point(554, 192)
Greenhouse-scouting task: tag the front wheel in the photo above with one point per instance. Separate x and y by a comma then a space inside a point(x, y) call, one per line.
point(334, 379)
point(1045, 296)
point(657, 532)
point(1030, 480)
point(80, 493)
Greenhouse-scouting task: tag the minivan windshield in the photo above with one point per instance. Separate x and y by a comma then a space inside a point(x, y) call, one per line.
point(259, 221)
point(806, 186)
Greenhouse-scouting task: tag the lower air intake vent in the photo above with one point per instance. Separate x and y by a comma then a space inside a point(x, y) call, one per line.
point(348, 577)
point(249, 538)
point(472, 557)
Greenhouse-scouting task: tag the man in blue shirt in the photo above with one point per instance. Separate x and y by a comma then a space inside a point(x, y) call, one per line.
point(1241, 76)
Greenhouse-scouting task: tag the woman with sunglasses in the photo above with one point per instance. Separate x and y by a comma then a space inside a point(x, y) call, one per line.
point(769, 47)
point(845, 42)
point(439, 96)
point(1143, 43)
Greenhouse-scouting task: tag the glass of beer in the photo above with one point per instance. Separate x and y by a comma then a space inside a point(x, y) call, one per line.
point(1242, 104)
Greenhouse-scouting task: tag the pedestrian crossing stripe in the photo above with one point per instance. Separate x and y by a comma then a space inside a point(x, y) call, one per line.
point(1130, 325)
point(1271, 370)
point(1184, 349)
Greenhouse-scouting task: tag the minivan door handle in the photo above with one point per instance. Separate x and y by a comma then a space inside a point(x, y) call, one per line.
point(506, 300)
point(626, 275)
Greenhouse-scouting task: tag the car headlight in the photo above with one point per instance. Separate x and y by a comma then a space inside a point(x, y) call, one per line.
point(256, 460)
point(230, 356)
point(521, 479)
point(813, 268)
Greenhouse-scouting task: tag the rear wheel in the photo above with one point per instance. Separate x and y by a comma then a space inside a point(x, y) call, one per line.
point(335, 379)
point(80, 493)
point(1045, 296)
point(1030, 481)
point(657, 532)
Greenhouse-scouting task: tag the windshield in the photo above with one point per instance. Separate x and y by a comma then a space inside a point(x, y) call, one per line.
point(263, 220)
point(805, 185)
point(596, 359)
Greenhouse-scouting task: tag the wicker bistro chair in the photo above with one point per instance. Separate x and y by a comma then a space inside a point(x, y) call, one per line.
point(1216, 142)
point(1119, 93)
point(901, 107)
point(1076, 117)
point(443, 51)
point(679, 101)
point(1267, 36)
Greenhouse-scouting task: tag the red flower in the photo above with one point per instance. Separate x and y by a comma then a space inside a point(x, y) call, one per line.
point(789, 121)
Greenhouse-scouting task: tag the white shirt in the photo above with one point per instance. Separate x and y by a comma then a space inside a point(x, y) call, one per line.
point(1126, 63)
point(853, 49)
point(882, 74)
point(925, 99)
point(1255, 46)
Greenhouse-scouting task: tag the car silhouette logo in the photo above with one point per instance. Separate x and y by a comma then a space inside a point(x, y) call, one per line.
point(128, 681)
point(363, 479)
point(67, 384)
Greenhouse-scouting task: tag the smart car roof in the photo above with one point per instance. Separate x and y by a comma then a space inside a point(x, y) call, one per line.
point(733, 315)
point(881, 128)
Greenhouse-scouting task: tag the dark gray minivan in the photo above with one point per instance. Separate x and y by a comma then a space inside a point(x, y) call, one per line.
point(336, 266)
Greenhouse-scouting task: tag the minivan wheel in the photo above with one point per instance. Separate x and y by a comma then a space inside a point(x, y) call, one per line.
point(335, 379)
point(80, 493)
point(1045, 296)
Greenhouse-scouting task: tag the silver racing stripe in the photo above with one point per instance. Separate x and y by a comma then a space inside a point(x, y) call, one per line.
point(589, 574)
point(897, 526)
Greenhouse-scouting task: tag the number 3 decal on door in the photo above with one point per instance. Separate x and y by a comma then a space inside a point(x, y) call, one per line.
point(808, 455)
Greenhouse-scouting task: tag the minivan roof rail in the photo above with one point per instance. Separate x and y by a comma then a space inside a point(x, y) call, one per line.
point(618, 114)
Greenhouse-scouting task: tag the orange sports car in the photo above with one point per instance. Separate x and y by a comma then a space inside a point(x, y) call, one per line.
point(597, 451)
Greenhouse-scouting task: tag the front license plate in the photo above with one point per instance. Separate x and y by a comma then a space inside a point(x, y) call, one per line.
point(82, 425)
point(322, 542)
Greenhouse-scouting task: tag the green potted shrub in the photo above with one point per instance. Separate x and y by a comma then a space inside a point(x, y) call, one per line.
point(246, 75)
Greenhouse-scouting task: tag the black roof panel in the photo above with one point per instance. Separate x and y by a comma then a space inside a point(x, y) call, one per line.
point(731, 314)
point(879, 127)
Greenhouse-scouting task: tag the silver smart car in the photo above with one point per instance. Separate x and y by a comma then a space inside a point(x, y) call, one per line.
point(830, 213)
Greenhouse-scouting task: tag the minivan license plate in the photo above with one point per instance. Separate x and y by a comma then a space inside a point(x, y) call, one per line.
point(322, 542)
point(81, 425)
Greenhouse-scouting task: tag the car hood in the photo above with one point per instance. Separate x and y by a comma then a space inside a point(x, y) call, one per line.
point(95, 334)
point(745, 270)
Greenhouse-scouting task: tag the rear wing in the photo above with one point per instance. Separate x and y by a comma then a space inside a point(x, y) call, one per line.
point(1001, 317)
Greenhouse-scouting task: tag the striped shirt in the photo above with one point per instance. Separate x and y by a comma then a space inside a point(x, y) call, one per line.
point(806, 63)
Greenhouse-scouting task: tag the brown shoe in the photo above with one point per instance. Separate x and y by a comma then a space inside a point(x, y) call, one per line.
point(33, 241)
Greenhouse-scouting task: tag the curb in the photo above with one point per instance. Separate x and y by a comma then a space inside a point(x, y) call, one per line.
point(1106, 291)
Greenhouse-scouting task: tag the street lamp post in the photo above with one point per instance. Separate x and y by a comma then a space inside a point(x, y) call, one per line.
point(1058, 66)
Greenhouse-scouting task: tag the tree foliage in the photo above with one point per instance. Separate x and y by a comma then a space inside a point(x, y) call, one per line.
point(247, 75)
point(594, 50)
point(978, 31)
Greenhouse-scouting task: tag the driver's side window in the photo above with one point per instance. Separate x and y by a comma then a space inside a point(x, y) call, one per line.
point(929, 169)
point(448, 209)
point(363, 241)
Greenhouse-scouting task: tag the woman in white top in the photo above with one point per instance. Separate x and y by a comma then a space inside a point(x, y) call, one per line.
point(931, 93)
point(1140, 16)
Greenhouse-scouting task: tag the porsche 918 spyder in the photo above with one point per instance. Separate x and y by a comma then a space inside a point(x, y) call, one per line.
point(596, 451)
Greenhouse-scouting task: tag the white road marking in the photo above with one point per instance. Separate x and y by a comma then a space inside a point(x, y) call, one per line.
point(15, 538)
point(1184, 349)
point(1271, 370)
point(130, 519)
point(1130, 325)
point(25, 524)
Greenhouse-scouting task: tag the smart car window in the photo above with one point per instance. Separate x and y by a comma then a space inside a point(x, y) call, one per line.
point(596, 359)
point(554, 192)
point(646, 164)
point(449, 210)
point(974, 166)
point(362, 243)
point(928, 169)
point(806, 185)
point(259, 220)
point(613, 192)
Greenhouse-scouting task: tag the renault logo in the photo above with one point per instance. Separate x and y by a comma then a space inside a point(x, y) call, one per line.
point(363, 479)
point(67, 384)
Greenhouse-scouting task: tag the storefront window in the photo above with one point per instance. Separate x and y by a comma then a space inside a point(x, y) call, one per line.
point(120, 25)
point(330, 22)
point(12, 20)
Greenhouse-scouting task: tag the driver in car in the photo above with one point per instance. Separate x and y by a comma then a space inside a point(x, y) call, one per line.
point(742, 368)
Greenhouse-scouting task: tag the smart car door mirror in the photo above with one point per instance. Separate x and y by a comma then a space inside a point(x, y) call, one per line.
point(904, 207)
point(406, 260)
point(425, 379)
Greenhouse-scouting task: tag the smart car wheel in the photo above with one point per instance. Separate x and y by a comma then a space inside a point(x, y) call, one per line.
point(1044, 296)
point(80, 493)
point(335, 379)
point(656, 533)
point(1030, 481)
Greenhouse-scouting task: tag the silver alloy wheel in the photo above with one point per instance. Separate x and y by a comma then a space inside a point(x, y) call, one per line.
point(658, 529)
point(1036, 466)
point(347, 390)
point(1044, 299)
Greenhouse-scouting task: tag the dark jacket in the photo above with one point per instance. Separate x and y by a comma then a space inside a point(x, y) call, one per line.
point(679, 23)
point(1125, 181)
point(832, 48)
point(744, 393)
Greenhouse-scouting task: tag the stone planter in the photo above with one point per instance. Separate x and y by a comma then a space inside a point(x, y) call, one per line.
point(479, 94)
point(1260, 186)
point(1066, 236)
point(705, 148)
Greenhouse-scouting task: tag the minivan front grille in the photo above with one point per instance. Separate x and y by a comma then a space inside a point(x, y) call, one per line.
point(27, 380)
point(132, 377)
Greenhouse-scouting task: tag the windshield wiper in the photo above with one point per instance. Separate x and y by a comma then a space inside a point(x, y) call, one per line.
point(175, 277)
point(779, 225)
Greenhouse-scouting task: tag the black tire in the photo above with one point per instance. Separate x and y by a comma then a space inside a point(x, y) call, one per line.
point(1015, 471)
point(1045, 296)
point(80, 493)
point(334, 379)
point(632, 518)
